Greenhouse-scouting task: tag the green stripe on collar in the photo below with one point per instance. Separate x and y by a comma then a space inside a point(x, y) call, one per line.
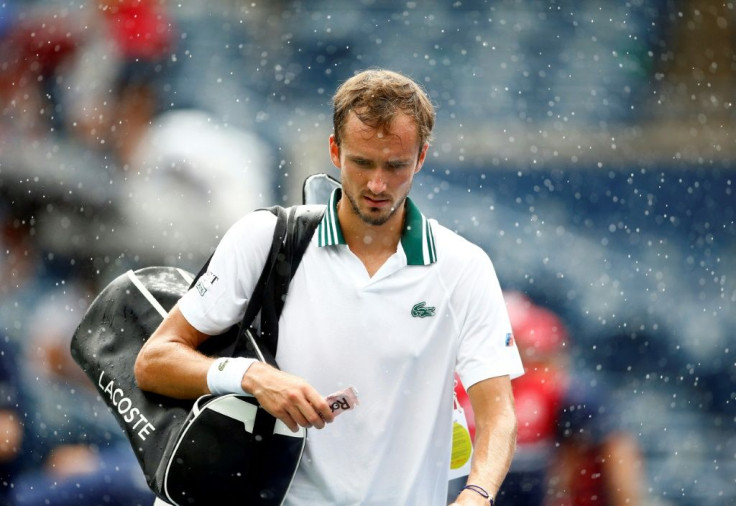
point(329, 232)
point(416, 239)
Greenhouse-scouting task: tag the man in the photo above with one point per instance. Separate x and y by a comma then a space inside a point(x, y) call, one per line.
point(569, 449)
point(384, 300)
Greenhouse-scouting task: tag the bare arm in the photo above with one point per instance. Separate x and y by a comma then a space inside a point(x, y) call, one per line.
point(11, 435)
point(170, 364)
point(495, 437)
point(623, 469)
point(621, 474)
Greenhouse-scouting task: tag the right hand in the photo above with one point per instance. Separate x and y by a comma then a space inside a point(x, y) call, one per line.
point(287, 397)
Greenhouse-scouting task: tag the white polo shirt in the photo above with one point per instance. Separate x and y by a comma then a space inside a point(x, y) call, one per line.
point(434, 307)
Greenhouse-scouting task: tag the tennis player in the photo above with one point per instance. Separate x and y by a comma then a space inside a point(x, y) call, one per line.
point(385, 301)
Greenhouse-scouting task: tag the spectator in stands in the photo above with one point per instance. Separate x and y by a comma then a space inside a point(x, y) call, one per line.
point(596, 463)
point(24, 277)
point(564, 424)
point(35, 44)
point(76, 454)
point(538, 396)
point(570, 451)
point(183, 177)
point(187, 178)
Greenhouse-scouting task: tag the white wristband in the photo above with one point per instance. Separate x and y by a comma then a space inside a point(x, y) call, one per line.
point(225, 375)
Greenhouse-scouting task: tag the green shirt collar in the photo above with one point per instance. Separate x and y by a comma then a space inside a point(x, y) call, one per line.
point(416, 238)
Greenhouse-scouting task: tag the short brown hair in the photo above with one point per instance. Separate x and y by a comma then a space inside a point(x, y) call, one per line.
point(376, 96)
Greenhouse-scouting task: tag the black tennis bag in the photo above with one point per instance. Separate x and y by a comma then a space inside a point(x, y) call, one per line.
point(218, 448)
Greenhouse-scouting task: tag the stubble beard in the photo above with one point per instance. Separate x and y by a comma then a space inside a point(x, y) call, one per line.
point(375, 219)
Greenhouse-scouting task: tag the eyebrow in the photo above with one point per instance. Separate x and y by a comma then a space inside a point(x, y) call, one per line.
point(399, 163)
point(357, 158)
point(391, 163)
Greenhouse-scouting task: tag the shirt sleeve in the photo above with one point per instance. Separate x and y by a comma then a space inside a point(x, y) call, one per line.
point(219, 298)
point(487, 348)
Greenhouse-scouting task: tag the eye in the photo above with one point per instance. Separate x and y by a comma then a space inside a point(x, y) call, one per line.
point(397, 165)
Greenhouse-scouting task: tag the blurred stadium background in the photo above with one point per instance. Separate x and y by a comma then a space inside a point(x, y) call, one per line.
point(588, 146)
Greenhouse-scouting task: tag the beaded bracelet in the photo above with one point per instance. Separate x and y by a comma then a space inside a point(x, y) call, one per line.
point(480, 490)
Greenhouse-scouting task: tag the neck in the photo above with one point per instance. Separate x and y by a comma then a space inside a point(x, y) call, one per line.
point(372, 244)
point(129, 140)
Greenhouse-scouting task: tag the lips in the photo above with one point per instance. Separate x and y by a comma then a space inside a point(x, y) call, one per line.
point(376, 202)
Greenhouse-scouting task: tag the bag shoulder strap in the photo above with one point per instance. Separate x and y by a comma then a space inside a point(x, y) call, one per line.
point(300, 222)
point(257, 298)
point(294, 229)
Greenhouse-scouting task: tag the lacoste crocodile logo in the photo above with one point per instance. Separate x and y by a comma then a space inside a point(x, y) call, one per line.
point(222, 365)
point(420, 310)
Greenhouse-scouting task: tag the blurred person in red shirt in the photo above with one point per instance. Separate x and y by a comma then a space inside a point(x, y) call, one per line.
point(569, 451)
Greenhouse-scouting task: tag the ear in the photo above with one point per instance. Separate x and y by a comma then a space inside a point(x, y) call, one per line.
point(334, 152)
point(422, 156)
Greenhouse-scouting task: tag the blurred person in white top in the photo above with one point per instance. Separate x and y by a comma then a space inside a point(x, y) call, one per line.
point(183, 177)
point(187, 178)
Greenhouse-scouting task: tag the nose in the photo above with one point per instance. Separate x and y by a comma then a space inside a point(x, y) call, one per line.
point(377, 183)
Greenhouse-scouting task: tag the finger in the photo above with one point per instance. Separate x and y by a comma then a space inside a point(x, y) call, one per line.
point(286, 415)
point(315, 415)
point(289, 422)
point(322, 410)
point(313, 408)
point(297, 413)
point(318, 412)
point(316, 419)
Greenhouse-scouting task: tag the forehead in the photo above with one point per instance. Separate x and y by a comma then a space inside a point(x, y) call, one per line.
point(402, 134)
